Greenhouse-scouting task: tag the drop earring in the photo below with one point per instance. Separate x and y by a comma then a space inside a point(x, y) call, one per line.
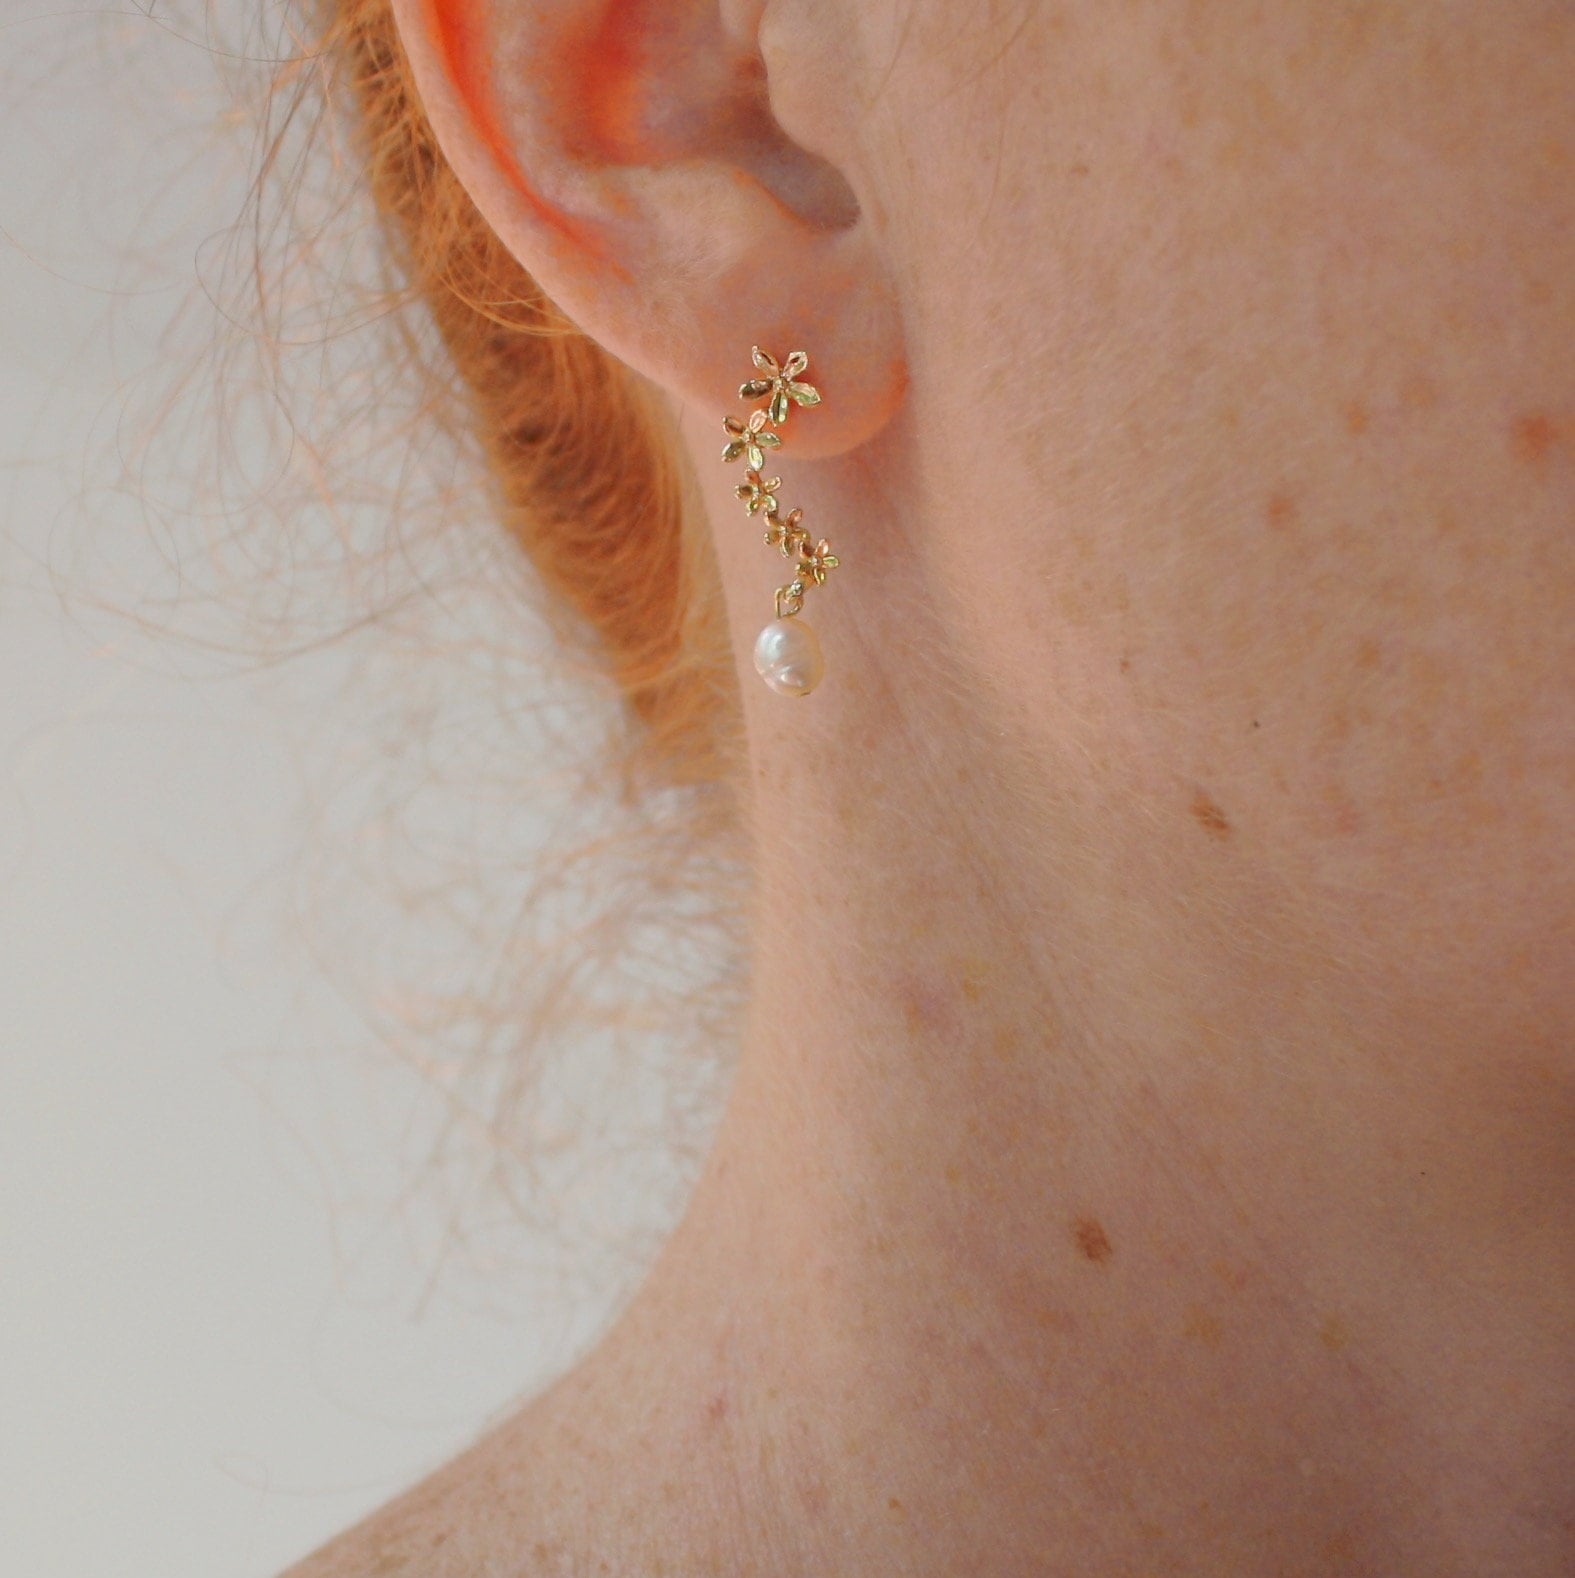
point(787, 652)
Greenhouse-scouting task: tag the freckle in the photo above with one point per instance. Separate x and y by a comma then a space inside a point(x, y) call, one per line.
point(1341, 1548)
point(1233, 1277)
point(1203, 1326)
point(1368, 653)
point(1210, 817)
point(1230, 417)
point(1092, 1241)
point(1280, 511)
point(1341, 815)
point(1356, 418)
point(895, 1506)
point(1079, 169)
point(1534, 436)
point(952, 1173)
point(1332, 1334)
point(1005, 1039)
point(973, 973)
point(1418, 392)
point(1392, 590)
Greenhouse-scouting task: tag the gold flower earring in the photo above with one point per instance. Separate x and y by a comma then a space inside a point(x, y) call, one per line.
point(787, 651)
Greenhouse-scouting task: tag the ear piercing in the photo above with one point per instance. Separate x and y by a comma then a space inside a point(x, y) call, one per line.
point(787, 651)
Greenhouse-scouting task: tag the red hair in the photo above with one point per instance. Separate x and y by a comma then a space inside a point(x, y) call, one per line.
point(590, 479)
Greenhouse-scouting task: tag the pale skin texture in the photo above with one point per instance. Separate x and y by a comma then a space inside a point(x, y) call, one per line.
point(1152, 1146)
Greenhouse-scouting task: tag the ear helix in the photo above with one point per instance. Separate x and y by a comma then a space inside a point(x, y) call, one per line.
point(787, 651)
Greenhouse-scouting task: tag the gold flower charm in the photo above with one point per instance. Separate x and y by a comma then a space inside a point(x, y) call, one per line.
point(787, 534)
point(779, 383)
point(816, 561)
point(758, 494)
point(751, 438)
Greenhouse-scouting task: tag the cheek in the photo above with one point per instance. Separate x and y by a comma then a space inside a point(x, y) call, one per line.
point(1378, 694)
point(1376, 624)
point(1305, 419)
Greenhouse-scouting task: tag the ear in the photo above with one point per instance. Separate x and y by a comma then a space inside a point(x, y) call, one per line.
point(627, 153)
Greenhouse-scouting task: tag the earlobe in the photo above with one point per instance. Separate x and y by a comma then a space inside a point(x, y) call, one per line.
point(625, 152)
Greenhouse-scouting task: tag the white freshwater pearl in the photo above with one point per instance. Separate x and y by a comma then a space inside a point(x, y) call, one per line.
point(788, 657)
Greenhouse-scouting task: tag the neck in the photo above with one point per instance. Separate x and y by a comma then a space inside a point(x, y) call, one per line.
point(1041, 1221)
point(1049, 1149)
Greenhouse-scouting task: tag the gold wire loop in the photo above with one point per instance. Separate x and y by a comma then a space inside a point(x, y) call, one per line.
point(750, 440)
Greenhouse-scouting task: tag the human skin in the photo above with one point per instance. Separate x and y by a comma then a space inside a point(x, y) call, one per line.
point(1151, 1148)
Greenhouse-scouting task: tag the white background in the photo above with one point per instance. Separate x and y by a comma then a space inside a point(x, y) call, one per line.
point(228, 1324)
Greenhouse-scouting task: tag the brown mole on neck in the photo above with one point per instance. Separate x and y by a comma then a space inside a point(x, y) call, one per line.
point(1093, 1243)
